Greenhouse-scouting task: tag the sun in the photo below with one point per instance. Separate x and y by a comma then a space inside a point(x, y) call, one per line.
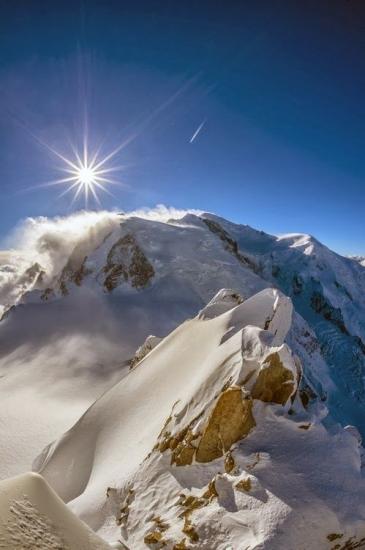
point(86, 173)
point(87, 178)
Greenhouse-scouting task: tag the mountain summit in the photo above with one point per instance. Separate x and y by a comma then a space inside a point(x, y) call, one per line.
point(210, 377)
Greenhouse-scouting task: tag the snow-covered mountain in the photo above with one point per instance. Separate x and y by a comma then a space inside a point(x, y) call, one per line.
point(220, 431)
point(206, 444)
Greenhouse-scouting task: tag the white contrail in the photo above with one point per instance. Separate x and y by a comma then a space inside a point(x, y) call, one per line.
point(197, 131)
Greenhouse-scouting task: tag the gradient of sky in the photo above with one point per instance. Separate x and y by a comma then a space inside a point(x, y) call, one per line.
point(281, 86)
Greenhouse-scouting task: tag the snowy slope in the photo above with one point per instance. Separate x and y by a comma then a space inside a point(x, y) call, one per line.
point(80, 295)
point(206, 444)
point(66, 344)
point(328, 290)
point(103, 282)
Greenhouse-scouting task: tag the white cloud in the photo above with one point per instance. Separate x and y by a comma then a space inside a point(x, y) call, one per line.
point(161, 213)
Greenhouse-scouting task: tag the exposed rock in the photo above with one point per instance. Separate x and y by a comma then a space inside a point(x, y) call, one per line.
point(211, 491)
point(229, 463)
point(149, 344)
point(322, 306)
point(244, 485)
point(183, 455)
point(306, 395)
point(47, 294)
point(230, 421)
point(127, 262)
point(153, 537)
point(344, 290)
point(230, 244)
point(183, 449)
point(122, 517)
point(192, 502)
point(297, 284)
point(190, 530)
point(160, 524)
point(351, 544)
point(274, 383)
point(63, 288)
point(334, 536)
point(180, 545)
point(73, 273)
point(34, 274)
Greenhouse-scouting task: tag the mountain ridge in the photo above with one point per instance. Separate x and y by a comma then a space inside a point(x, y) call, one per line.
point(264, 337)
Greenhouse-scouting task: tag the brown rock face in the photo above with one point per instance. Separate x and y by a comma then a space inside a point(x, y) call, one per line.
point(229, 463)
point(74, 274)
point(190, 530)
point(181, 446)
point(127, 262)
point(275, 383)
point(153, 538)
point(230, 421)
point(244, 485)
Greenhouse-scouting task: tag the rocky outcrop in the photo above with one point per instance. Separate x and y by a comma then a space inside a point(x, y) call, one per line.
point(230, 421)
point(230, 244)
point(230, 418)
point(322, 306)
point(149, 344)
point(274, 383)
point(74, 272)
point(126, 262)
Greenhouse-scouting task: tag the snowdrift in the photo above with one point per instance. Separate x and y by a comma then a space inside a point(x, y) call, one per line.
point(33, 516)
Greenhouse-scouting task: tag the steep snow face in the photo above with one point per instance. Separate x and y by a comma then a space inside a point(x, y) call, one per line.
point(206, 444)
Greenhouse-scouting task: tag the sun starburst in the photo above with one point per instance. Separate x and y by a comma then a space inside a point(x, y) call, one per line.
point(86, 174)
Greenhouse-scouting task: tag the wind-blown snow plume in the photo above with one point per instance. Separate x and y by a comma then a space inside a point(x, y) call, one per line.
point(45, 244)
point(162, 213)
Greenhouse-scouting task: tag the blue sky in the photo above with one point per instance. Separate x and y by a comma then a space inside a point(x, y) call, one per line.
point(281, 86)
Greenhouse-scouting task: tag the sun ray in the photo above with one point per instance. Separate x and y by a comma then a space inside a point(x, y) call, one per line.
point(108, 170)
point(100, 186)
point(69, 189)
point(94, 194)
point(76, 195)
